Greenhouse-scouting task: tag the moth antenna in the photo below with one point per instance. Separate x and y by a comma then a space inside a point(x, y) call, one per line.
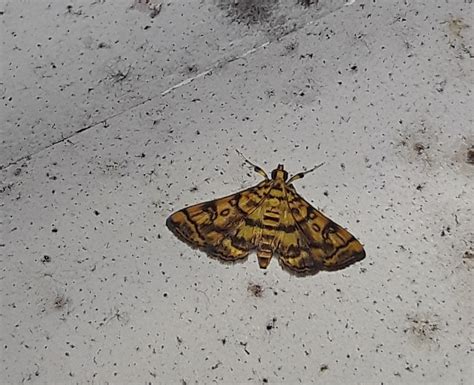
point(256, 168)
point(303, 173)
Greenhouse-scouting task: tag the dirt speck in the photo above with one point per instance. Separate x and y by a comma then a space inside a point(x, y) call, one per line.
point(255, 289)
point(456, 25)
point(60, 301)
point(271, 324)
point(423, 327)
point(152, 6)
point(470, 156)
point(248, 11)
point(468, 255)
point(419, 148)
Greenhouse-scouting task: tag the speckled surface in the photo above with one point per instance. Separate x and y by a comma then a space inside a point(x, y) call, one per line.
point(96, 290)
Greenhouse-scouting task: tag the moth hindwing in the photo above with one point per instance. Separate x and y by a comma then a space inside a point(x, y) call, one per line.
point(273, 219)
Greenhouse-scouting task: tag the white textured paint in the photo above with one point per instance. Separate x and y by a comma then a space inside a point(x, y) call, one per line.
point(112, 119)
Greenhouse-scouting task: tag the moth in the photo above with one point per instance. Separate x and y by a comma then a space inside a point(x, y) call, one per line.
point(270, 218)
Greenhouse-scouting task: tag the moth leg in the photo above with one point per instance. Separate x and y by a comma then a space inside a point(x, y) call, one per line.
point(256, 168)
point(303, 173)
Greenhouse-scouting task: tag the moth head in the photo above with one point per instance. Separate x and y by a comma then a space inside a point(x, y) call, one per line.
point(279, 173)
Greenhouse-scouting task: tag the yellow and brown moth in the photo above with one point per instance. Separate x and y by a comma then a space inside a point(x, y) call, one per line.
point(270, 218)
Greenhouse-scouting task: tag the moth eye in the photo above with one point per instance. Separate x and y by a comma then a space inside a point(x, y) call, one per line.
point(312, 215)
point(225, 212)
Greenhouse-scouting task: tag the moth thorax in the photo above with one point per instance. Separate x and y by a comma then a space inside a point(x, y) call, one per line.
point(279, 173)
